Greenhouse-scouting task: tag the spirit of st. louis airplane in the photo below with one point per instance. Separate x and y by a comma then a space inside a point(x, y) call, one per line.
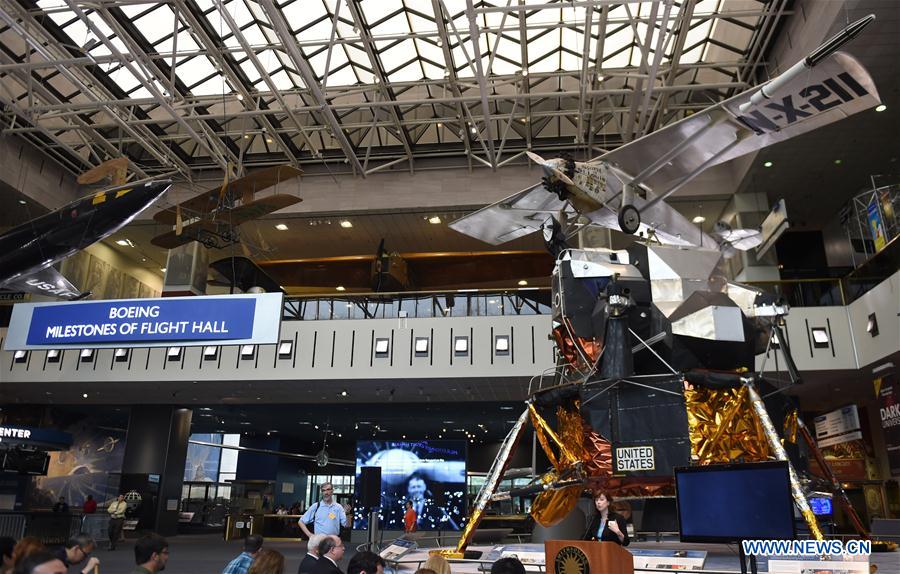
point(626, 188)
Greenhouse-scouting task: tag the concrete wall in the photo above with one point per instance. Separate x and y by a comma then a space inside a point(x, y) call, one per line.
point(26, 169)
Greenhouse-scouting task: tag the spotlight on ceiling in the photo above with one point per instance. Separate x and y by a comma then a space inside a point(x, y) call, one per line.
point(434, 220)
point(522, 283)
point(699, 219)
point(346, 224)
point(341, 288)
point(880, 108)
point(281, 227)
point(768, 164)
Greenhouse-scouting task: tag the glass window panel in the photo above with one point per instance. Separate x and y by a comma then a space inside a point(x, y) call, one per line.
point(215, 86)
point(185, 43)
point(407, 306)
point(282, 81)
point(251, 71)
point(375, 11)
point(343, 77)
point(157, 24)
point(324, 309)
point(254, 35)
point(394, 25)
point(409, 73)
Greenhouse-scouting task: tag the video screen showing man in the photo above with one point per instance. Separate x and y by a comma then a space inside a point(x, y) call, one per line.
point(429, 474)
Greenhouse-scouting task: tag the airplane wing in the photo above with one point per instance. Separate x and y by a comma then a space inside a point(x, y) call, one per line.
point(48, 282)
point(242, 188)
point(257, 209)
point(205, 231)
point(835, 88)
point(512, 217)
point(743, 239)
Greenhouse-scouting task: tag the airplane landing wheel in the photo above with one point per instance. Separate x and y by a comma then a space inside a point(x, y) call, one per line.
point(629, 219)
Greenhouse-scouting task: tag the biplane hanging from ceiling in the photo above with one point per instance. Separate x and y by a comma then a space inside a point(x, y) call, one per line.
point(212, 218)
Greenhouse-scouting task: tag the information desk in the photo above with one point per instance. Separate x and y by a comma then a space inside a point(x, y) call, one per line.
point(269, 526)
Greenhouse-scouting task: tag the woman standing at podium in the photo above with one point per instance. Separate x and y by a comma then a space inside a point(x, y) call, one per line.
point(606, 525)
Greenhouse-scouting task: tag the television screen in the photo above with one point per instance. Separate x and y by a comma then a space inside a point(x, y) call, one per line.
point(430, 473)
point(25, 462)
point(733, 502)
point(820, 505)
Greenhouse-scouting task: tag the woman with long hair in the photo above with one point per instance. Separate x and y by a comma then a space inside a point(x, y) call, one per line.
point(606, 525)
point(268, 562)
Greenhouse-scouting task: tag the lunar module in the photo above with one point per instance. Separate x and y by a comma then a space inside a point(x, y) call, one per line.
point(656, 369)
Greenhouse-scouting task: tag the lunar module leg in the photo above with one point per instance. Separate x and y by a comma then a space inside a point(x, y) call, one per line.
point(778, 449)
point(835, 483)
point(490, 487)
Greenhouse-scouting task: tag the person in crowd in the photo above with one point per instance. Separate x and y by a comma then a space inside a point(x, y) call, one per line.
point(77, 551)
point(89, 506)
point(331, 551)
point(606, 525)
point(268, 561)
point(437, 563)
point(116, 511)
point(507, 566)
point(366, 563)
point(309, 561)
point(151, 554)
point(7, 543)
point(241, 564)
point(409, 518)
point(424, 571)
point(327, 516)
point(61, 505)
point(26, 547)
point(40, 562)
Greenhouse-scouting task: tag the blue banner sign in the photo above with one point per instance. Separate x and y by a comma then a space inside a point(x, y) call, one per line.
point(229, 319)
point(48, 438)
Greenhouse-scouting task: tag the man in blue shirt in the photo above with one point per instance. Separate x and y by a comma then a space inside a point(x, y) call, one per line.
point(241, 564)
point(326, 515)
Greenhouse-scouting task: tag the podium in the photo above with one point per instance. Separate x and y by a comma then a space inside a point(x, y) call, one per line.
point(587, 557)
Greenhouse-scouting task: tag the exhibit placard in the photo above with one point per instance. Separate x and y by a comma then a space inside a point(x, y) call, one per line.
point(634, 458)
point(172, 321)
point(838, 426)
point(889, 415)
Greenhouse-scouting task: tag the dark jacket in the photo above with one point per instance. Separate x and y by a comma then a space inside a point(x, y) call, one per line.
point(307, 564)
point(608, 535)
point(325, 566)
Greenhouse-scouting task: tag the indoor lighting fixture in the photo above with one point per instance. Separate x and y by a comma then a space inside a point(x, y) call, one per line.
point(421, 346)
point(346, 224)
point(87, 355)
point(872, 325)
point(768, 164)
point(281, 227)
point(174, 353)
point(53, 356)
point(461, 346)
point(240, 97)
point(210, 352)
point(434, 220)
point(340, 288)
point(22, 202)
point(838, 162)
point(84, 395)
point(522, 283)
point(699, 219)
point(163, 269)
point(124, 242)
point(268, 140)
point(382, 346)
point(247, 351)
point(20, 356)
point(880, 108)
point(344, 393)
point(285, 348)
point(121, 355)
point(820, 337)
point(501, 344)
point(440, 125)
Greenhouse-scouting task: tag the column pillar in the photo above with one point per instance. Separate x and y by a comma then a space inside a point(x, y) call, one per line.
point(155, 453)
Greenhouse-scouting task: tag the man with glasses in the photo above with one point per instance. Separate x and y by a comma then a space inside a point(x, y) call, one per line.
point(151, 554)
point(326, 516)
point(331, 551)
point(77, 550)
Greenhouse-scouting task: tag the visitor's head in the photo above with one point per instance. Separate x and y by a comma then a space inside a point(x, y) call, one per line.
point(507, 566)
point(26, 547)
point(437, 563)
point(268, 561)
point(7, 543)
point(313, 545)
point(331, 547)
point(79, 548)
point(366, 563)
point(253, 543)
point(152, 552)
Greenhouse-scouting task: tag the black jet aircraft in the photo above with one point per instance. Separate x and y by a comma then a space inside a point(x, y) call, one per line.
point(28, 251)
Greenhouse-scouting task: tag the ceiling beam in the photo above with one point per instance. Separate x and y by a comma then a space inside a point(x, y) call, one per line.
point(475, 38)
point(276, 19)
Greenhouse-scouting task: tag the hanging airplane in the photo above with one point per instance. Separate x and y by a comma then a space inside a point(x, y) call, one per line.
point(625, 189)
point(211, 217)
point(28, 251)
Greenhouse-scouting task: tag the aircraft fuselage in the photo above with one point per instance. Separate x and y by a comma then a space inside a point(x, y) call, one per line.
point(43, 241)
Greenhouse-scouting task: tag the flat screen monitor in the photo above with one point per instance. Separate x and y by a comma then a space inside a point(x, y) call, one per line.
point(820, 505)
point(25, 462)
point(733, 502)
point(430, 473)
